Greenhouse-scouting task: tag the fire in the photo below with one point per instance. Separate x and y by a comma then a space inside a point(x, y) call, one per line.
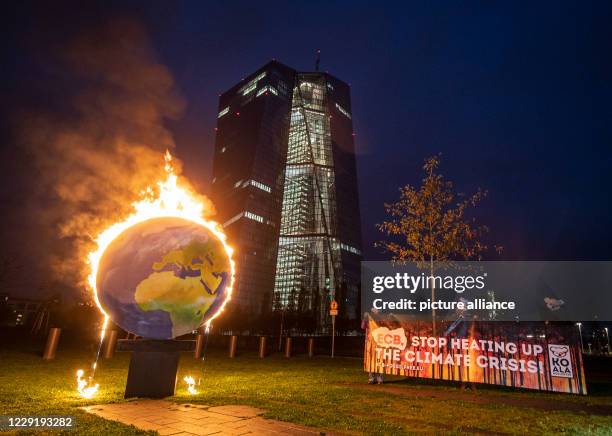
point(82, 386)
point(190, 385)
point(171, 200)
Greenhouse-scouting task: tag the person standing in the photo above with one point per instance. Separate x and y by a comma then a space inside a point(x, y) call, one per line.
point(373, 377)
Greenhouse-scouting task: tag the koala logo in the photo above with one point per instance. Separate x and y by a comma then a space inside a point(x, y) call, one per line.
point(560, 361)
point(559, 350)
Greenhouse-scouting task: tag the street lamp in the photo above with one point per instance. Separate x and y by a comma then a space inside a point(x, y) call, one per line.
point(579, 324)
point(608, 337)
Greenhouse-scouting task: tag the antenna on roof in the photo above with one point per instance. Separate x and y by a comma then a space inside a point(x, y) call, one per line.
point(317, 60)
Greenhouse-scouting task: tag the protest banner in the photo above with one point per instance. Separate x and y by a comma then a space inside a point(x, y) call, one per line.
point(536, 355)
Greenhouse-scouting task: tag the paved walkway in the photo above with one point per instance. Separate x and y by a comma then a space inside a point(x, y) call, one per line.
point(195, 419)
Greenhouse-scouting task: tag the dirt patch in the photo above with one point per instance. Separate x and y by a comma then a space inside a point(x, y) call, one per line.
point(484, 398)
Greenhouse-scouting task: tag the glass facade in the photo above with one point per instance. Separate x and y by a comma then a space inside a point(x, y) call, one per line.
point(310, 246)
point(308, 255)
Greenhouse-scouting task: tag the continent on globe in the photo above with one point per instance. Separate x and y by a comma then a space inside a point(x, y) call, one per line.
point(185, 286)
point(163, 278)
point(197, 259)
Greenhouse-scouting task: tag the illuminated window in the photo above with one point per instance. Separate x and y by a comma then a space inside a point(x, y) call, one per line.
point(350, 249)
point(223, 112)
point(259, 77)
point(249, 87)
point(255, 183)
point(254, 217)
point(267, 88)
point(343, 111)
point(260, 186)
point(249, 215)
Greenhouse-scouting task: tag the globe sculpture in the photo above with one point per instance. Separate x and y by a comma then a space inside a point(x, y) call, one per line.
point(163, 277)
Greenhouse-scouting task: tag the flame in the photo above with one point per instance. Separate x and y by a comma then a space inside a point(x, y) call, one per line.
point(172, 200)
point(84, 390)
point(190, 384)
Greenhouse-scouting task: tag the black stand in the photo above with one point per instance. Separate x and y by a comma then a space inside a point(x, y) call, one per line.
point(153, 366)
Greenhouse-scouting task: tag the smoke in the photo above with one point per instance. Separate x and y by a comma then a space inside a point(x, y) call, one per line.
point(94, 156)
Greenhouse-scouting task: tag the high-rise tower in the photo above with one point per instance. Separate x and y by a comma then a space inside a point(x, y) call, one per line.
point(289, 135)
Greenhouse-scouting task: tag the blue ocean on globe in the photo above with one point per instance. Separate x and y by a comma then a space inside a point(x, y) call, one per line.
point(163, 277)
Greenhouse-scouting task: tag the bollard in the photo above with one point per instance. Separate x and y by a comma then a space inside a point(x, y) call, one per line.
point(262, 347)
point(199, 342)
point(288, 347)
point(52, 341)
point(310, 347)
point(232, 347)
point(111, 344)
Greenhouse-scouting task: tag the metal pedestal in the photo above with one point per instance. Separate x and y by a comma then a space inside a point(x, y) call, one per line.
point(153, 366)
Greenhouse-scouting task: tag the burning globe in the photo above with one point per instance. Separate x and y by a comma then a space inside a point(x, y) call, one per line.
point(163, 277)
point(162, 271)
point(165, 269)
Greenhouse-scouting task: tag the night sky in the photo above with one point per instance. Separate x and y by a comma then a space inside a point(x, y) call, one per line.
point(515, 95)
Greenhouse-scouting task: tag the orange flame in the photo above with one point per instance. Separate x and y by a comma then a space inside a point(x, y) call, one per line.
point(82, 386)
point(190, 384)
point(172, 200)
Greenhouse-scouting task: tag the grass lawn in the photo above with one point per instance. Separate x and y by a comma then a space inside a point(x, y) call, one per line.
point(321, 392)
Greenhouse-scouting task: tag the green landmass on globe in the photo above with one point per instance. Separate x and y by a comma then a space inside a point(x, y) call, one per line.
point(181, 297)
point(164, 277)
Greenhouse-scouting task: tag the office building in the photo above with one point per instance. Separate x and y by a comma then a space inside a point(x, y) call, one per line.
point(285, 186)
